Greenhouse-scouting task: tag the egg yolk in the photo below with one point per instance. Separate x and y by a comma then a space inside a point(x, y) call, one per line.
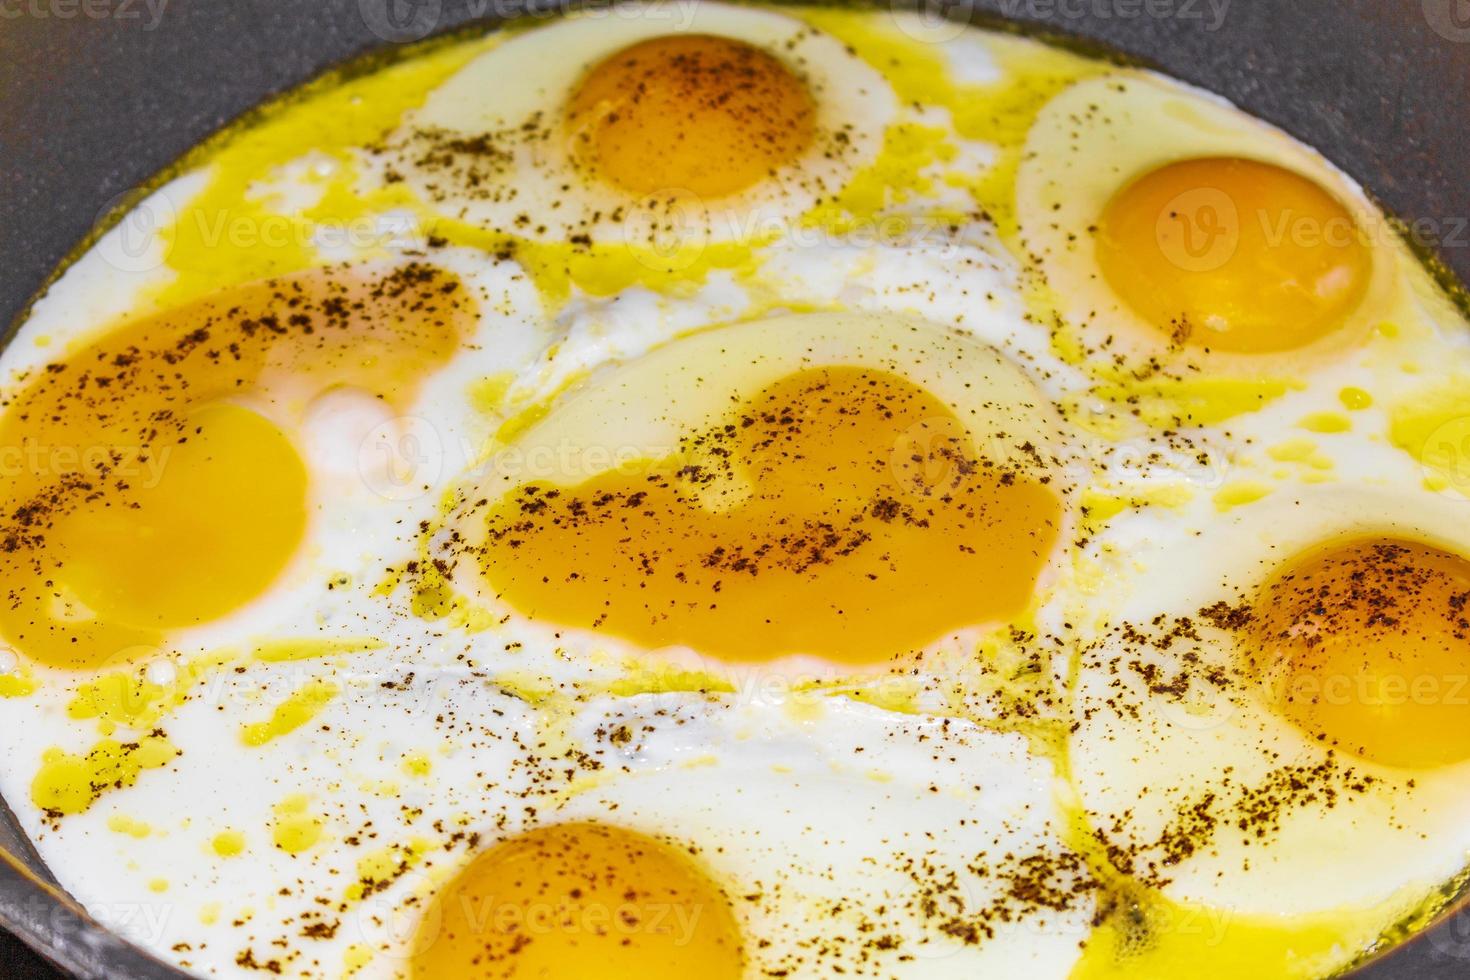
point(232, 488)
point(151, 482)
point(1365, 645)
point(580, 900)
point(690, 112)
point(1233, 255)
point(842, 512)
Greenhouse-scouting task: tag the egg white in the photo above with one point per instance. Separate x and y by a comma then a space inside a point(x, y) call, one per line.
point(1142, 756)
point(804, 809)
point(1099, 135)
point(769, 789)
point(540, 193)
point(641, 410)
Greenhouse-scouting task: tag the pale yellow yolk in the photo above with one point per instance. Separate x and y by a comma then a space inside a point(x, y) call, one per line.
point(580, 900)
point(690, 112)
point(150, 480)
point(1365, 645)
point(1233, 255)
point(841, 512)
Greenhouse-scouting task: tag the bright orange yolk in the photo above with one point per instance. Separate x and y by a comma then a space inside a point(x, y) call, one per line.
point(1365, 645)
point(841, 512)
point(690, 112)
point(1233, 255)
point(577, 901)
point(150, 482)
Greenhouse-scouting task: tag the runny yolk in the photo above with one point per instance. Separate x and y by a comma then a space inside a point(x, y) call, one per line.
point(151, 482)
point(580, 900)
point(690, 112)
point(1365, 645)
point(1233, 255)
point(233, 489)
point(841, 512)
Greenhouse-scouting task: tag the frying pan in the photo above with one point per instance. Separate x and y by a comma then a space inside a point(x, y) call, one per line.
point(97, 97)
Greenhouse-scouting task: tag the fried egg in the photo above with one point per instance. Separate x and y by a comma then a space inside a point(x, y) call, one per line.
point(1276, 705)
point(742, 491)
point(949, 897)
point(647, 124)
point(774, 490)
point(1211, 234)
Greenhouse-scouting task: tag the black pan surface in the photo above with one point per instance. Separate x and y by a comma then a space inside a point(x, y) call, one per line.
point(98, 96)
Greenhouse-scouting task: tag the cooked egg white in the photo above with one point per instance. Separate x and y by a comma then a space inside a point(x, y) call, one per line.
point(1130, 178)
point(1200, 754)
point(733, 446)
point(724, 505)
point(651, 124)
point(741, 783)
